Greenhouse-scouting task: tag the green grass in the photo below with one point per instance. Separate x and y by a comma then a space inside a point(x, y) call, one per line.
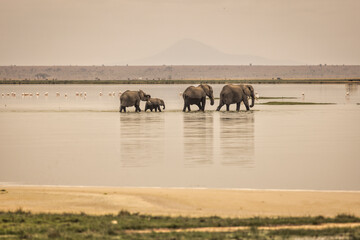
point(254, 233)
point(294, 103)
point(25, 225)
point(277, 98)
point(216, 98)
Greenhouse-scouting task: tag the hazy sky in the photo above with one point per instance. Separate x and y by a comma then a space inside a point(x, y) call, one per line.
point(110, 32)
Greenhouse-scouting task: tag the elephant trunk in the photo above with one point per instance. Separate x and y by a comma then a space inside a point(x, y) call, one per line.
point(252, 100)
point(163, 105)
point(211, 99)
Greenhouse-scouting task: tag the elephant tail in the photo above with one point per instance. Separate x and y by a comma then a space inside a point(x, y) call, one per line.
point(184, 96)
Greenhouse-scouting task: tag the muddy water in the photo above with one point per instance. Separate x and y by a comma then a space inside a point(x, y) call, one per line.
point(73, 140)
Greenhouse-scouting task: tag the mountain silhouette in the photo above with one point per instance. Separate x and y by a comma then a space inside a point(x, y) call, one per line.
point(192, 52)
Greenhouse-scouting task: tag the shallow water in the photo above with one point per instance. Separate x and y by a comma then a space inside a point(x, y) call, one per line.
point(86, 141)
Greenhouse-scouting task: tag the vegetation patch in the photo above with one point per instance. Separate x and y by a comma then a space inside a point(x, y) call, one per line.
point(21, 224)
point(277, 98)
point(294, 103)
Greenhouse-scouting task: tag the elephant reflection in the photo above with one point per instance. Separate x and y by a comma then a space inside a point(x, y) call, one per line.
point(237, 139)
point(142, 139)
point(198, 139)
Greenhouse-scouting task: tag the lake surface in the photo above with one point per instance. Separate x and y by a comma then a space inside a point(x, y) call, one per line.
point(77, 140)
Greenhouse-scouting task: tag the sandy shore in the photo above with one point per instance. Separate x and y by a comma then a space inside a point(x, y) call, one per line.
point(185, 202)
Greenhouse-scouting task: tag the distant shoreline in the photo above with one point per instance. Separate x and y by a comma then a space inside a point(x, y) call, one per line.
point(191, 81)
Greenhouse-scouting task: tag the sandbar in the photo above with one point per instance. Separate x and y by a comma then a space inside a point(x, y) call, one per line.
point(179, 202)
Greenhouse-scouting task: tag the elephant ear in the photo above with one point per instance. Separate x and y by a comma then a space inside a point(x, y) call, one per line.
point(246, 90)
point(206, 88)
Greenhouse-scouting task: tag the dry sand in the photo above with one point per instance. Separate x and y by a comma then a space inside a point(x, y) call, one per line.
point(174, 202)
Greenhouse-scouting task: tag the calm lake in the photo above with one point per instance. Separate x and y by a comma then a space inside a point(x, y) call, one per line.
point(78, 140)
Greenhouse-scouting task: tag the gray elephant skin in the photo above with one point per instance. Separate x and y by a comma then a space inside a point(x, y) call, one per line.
point(132, 98)
point(154, 103)
point(197, 96)
point(232, 93)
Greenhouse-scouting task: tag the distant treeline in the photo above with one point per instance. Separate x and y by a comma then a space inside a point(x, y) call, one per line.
point(170, 74)
point(190, 81)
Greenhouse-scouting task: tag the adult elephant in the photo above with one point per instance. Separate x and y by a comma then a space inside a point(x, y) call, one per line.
point(197, 95)
point(232, 93)
point(132, 98)
point(154, 103)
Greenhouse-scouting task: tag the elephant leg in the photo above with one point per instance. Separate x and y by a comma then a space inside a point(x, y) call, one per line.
point(121, 108)
point(155, 109)
point(246, 103)
point(199, 105)
point(203, 103)
point(238, 106)
point(227, 107)
point(124, 108)
point(159, 108)
point(188, 107)
point(220, 106)
point(184, 109)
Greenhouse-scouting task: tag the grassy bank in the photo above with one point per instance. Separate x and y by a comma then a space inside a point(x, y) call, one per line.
point(20, 224)
point(187, 81)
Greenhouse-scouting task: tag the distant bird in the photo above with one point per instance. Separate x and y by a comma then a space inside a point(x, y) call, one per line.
point(100, 94)
point(30, 94)
point(85, 94)
point(37, 94)
point(66, 95)
point(303, 93)
point(46, 94)
point(110, 93)
point(7, 94)
point(119, 93)
point(80, 94)
point(347, 93)
point(113, 93)
point(2, 94)
point(76, 94)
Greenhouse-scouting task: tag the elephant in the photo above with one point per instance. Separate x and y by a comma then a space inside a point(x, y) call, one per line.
point(132, 98)
point(232, 93)
point(197, 95)
point(154, 103)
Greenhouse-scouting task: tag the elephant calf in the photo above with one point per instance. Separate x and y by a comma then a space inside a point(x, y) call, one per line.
point(232, 93)
point(154, 103)
point(132, 98)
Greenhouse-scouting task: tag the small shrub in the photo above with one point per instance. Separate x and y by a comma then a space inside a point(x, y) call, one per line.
point(124, 213)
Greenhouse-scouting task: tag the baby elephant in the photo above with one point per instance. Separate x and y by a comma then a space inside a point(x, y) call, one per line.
point(154, 103)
